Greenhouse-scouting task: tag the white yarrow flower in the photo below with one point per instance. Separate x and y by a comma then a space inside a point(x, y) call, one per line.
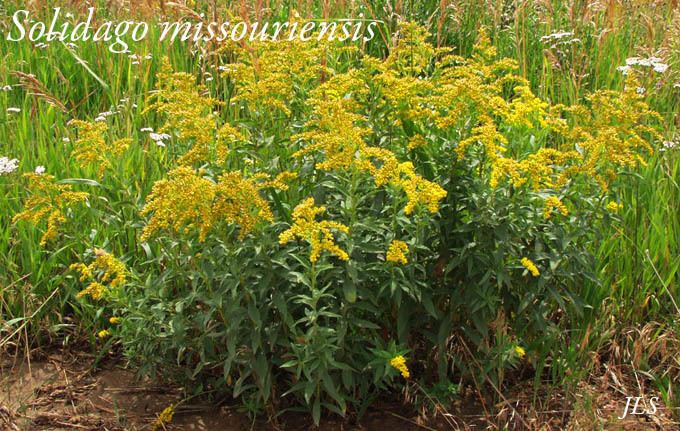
point(8, 166)
point(159, 138)
point(557, 36)
point(146, 129)
point(13, 110)
point(670, 145)
point(660, 67)
point(655, 63)
point(624, 69)
point(7, 88)
point(40, 170)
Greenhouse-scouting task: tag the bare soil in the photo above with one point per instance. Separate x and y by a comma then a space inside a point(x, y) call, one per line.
point(62, 391)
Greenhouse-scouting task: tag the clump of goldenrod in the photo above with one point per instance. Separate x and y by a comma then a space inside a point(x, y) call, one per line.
point(530, 266)
point(317, 233)
point(164, 418)
point(397, 252)
point(334, 133)
point(104, 273)
point(189, 115)
point(187, 200)
point(614, 206)
point(48, 201)
point(181, 202)
point(399, 362)
point(268, 75)
point(411, 53)
point(553, 203)
point(91, 147)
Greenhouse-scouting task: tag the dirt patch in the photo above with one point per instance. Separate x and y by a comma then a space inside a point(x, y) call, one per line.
point(62, 392)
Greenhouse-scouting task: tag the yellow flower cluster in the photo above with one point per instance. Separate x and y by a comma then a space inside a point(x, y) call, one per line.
point(486, 134)
point(104, 333)
point(317, 233)
point(613, 206)
point(268, 74)
point(49, 201)
point(181, 202)
point(106, 272)
point(530, 266)
point(91, 147)
point(519, 351)
point(418, 190)
point(554, 203)
point(334, 134)
point(416, 141)
point(164, 418)
point(613, 131)
point(190, 116)
point(341, 141)
point(187, 200)
point(397, 252)
point(411, 53)
point(399, 362)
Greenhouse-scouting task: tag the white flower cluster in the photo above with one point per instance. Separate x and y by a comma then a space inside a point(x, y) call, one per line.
point(6, 88)
point(655, 63)
point(671, 145)
point(125, 103)
point(560, 38)
point(8, 166)
point(103, 115)
point(137, 59)
point(158, 138)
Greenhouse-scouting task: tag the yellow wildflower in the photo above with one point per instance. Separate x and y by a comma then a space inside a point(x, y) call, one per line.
point(519, 351)
point(416, 141)
point(411, 53)
point(486, 134)
point(554, 203)
point(281, 181)
point(189, 115)
point(91, 149)
point(530, 266)
point(397, 252)
point(114, 320)
point(104, 333)
point(613, 206)
point(182, 201)
point(48, 201)
point(399, 362)
point(269, 74)
point(105, 273)
point(186, 200)
point(317, 233)
point(402, 175)
point(165, 417)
